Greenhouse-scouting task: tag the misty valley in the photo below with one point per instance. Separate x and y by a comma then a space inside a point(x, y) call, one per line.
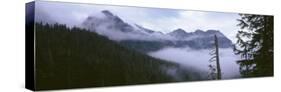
point(107, 47)
point(79, 57)
point(74, 57)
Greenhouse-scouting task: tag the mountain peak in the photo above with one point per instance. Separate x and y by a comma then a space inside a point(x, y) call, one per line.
point(212, 31)
point(199, 31)
point(178, 33)
point(107, 13)
point(108, 22)
point(179, 30)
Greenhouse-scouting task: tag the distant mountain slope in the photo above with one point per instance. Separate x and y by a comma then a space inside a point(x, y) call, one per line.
point(71, 58)
point(147, 40)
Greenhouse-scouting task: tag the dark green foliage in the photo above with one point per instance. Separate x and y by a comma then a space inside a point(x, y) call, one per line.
point(73, 57)
point(255, 45)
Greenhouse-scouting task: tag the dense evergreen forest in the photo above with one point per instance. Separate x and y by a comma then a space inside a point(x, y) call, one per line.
point(74, 57)
point(255, 45)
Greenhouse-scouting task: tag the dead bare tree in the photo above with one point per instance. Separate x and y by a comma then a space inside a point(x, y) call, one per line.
point(215, 72)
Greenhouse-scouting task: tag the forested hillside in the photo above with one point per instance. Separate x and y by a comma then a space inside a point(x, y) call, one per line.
point(74, 57)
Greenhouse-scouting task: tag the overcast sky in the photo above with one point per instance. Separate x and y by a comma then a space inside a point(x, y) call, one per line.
point(164, 20)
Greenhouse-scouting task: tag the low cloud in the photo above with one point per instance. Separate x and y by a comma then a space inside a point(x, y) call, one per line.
point(199, 59)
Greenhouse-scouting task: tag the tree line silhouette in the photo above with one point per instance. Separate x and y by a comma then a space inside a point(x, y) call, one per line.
point(74, 57)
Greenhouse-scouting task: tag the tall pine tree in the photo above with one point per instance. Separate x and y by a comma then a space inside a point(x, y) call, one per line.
point(255, 45)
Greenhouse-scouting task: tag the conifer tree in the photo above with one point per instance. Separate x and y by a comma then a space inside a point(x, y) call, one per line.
point(255, 45)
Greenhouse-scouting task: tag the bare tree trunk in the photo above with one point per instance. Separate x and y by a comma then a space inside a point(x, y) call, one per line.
point(217, 58)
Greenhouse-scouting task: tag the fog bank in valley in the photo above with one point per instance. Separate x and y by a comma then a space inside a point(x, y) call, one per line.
point(199, 59)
